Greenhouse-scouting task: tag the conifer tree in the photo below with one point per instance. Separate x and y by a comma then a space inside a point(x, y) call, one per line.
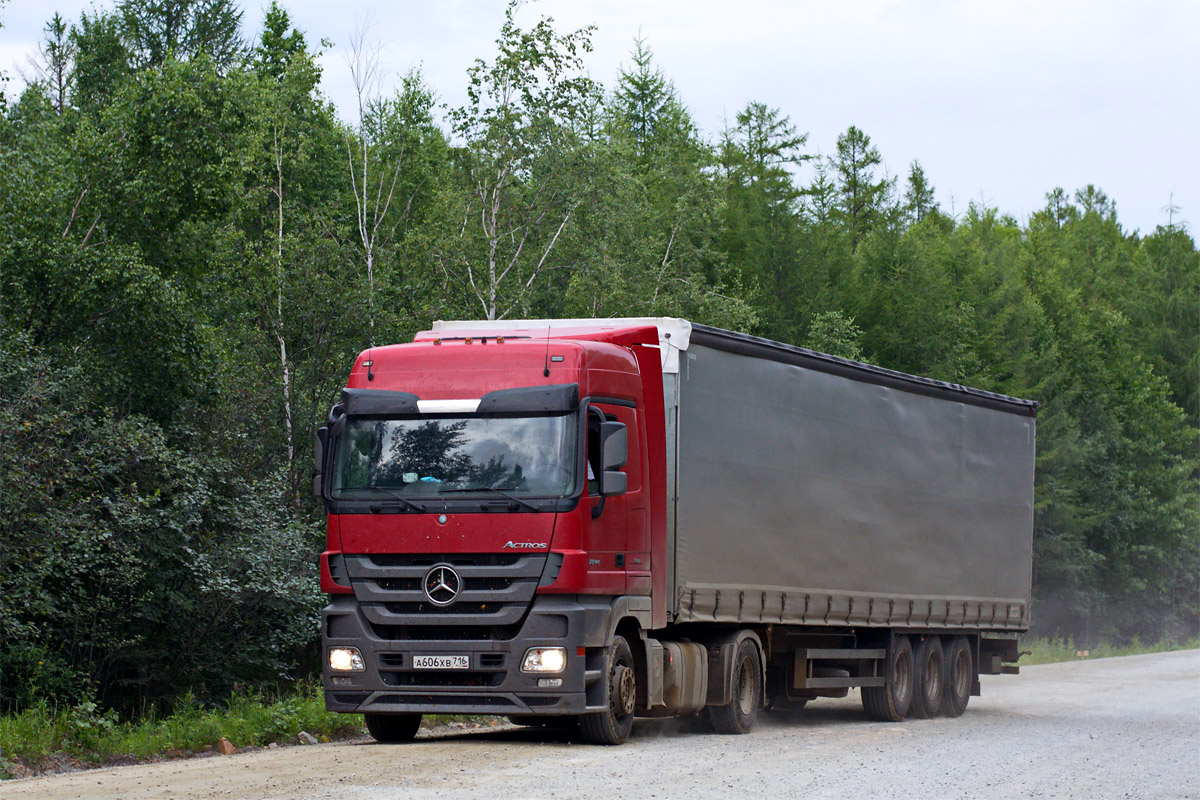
point(862, 197)
point(918, 194)
point(155, 30)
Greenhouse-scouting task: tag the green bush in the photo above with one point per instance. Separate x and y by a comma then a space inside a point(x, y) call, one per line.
point(89, 734)
point(133, 571)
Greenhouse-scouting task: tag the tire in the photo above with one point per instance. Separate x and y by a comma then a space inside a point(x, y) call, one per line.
point(890, 703)
point(746, 697)
point(393, 728)
point(612, 726)
point(960, 674)
point(929, 678)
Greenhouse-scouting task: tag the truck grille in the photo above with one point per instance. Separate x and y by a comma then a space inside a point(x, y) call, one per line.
point(414, 584)
point(454, 559)
point(442, 678)
point(438, 632)
point(458, 608)
point(495, 594)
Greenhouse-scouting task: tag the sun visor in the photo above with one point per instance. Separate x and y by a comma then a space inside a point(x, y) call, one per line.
point(370, 402)
point(537, 399)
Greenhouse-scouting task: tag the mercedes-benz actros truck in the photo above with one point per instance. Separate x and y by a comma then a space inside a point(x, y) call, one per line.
point(588, 521)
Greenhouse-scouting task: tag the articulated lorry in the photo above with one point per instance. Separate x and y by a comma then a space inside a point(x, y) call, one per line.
point(587, 521)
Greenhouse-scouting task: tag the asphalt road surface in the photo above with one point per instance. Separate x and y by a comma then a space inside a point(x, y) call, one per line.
point(1111, 728)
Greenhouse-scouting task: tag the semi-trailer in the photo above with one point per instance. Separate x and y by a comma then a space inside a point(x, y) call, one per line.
point(585, 521)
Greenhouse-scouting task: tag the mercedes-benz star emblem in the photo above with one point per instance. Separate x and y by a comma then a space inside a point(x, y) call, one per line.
point(442, 585)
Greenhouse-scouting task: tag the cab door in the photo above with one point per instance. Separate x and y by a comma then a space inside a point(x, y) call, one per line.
point(618, 528)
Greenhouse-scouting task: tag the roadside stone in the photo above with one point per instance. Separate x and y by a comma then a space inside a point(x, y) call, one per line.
point(306, 738)
point(273, 746)
point(208, 748)
point(226, 747)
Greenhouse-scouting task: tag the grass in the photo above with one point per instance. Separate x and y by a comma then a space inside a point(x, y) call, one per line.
point(1050, 651)
point(83, 734)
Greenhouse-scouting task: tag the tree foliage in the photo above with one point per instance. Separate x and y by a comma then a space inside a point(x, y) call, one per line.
point(157, 31)
point(193, 246)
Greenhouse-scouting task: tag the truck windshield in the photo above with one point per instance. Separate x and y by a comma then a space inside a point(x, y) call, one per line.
point(531, 456)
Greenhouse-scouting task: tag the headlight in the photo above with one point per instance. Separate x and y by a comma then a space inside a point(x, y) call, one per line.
point(544, 659)
point(346, 659)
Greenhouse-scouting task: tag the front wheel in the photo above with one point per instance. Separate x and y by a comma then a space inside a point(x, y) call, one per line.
point(393, 728)
point(739, 716)
point(612, 726)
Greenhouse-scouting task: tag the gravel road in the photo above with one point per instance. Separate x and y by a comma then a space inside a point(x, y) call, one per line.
point(1111, 728)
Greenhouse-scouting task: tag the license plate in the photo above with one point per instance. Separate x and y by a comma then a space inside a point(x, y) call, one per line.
point(441, 662)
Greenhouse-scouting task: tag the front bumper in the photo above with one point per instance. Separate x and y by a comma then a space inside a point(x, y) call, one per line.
point(493, 683)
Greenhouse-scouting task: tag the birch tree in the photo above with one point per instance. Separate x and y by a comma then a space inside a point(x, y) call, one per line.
point(283, 59)
point(516, 135)
point(379, 148)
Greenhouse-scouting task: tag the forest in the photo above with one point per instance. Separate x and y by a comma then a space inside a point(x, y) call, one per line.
point(195, 244)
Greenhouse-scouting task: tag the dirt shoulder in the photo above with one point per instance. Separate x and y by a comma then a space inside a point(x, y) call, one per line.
point(1124, 727)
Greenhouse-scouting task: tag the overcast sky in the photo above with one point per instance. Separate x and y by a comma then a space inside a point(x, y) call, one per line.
point(999, 101)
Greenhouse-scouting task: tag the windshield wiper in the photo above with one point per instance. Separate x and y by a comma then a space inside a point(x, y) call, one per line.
point(410, 505)
point(501, 492)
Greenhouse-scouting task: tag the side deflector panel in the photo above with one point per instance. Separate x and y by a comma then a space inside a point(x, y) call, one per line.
point(671, 403)
point(811, 497)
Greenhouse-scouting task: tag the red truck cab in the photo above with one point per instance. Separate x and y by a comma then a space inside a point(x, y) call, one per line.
point(480, 550)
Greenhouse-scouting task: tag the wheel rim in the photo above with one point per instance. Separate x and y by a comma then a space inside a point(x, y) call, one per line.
point(902, 680)
point(932, 677)
point(624, 695)
point(746, 687)
point(960, 674)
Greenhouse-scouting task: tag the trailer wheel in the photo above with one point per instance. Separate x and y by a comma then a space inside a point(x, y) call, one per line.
point(393, 728)
point(612, 726)
point(929, 679)
point(960, 674)
point(890, 703)
point(745, 699)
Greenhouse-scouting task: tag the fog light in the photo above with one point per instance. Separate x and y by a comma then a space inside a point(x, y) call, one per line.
point(346, 659)
point(544, 659)
point(549, 683)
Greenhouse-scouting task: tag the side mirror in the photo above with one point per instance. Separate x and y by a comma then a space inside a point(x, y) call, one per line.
point(319, 450)
point(614, 483)
point(614, 452)
point(319, 461)
point(614, 444)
